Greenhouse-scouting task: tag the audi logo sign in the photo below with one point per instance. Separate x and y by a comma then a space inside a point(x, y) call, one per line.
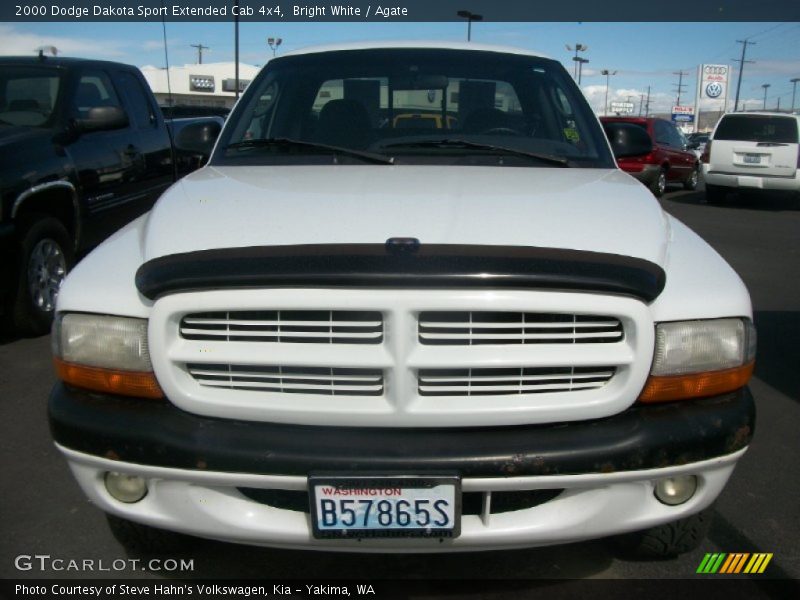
point(713, 82)
point(715, 70)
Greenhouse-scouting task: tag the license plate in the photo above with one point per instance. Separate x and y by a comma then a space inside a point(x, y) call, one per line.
point(345, 506)
point(752, 159)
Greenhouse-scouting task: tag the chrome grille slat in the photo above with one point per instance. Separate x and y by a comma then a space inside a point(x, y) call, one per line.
point(528, 325)
point(276, 323)
point(504, 328)
point(520, 336)
point(284, 334)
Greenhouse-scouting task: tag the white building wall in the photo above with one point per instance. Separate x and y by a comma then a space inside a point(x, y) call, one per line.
point(198, 85)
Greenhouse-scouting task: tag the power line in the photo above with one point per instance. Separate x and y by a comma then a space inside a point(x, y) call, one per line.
point(765, 31)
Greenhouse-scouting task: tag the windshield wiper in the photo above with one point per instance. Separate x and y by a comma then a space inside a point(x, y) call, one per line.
point(459, 143)
point(288, 142)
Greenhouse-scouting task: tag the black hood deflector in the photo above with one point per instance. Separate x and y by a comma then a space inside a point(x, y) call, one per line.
point(377, 265)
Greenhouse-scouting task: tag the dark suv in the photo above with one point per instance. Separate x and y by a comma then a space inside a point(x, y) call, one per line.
point(670, 160)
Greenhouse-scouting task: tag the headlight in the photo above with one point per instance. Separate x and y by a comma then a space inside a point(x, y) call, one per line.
point(104, 353)
point(700, 358)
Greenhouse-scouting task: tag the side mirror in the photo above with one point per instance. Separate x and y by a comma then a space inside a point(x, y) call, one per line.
point(628, 139)
point(102, 118)
point(198, 138)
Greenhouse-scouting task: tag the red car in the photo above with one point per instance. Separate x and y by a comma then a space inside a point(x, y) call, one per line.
point(669, 161)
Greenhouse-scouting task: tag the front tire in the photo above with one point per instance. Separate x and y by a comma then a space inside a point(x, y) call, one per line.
point(691, 183)
point(659, 185)
point(44, 256)
point(668, 540)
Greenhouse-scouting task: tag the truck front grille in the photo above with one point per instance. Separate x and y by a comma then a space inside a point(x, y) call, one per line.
point(401, 357)
point(448, 328)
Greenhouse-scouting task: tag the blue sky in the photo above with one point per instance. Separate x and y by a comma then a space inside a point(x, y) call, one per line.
point(642, 53)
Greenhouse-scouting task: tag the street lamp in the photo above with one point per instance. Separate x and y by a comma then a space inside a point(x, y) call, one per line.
point(470, 17)
point(576, 58)
point(794, 89)
point(608, 75)
point(273, 43)
point(765, 86)
point(581, 62)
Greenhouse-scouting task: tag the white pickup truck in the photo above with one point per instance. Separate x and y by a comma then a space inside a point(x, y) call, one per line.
point(409, 305)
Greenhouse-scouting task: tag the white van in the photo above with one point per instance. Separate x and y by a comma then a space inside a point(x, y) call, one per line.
point(752, 151)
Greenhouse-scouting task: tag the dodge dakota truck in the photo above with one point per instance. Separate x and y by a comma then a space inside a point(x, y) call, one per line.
point(83, 150)
point(341, 334)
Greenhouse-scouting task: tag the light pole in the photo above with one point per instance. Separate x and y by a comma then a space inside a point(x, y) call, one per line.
point(765, 86)
point(581, 62)
point(576, 58)
point(273, 43)
point(608, 75)
point(794, 89)
point(470, 17)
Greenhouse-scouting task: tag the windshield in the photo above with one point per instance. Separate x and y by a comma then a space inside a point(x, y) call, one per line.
point(416, 106)
point(28, 95)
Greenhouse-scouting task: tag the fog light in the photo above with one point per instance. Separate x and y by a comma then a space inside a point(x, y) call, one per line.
point(676, 490)
point(125, 488)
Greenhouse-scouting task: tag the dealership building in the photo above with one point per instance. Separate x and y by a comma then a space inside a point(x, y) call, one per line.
point(209, 84)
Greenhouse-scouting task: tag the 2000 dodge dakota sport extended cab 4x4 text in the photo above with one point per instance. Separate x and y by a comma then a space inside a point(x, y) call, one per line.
point(345, 335)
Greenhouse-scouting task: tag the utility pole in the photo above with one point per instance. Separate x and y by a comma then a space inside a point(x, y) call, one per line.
point(765, 86)
point(778, 108)
point(200, 49)
point(236, 48)
point(641, 103)
point(470, 17)
point(680, 86)
point(794, 89)
point(647, 104)
point(741, 62)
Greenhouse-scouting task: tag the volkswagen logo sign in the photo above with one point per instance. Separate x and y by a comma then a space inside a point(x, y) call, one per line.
point(714, 90)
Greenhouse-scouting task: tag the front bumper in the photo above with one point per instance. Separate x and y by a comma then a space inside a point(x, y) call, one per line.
point(196, 467)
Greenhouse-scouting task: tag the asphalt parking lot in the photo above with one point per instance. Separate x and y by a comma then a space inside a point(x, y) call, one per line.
point(43, 511)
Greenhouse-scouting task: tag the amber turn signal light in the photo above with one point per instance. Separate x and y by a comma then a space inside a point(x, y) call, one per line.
point(111, 381)
point(695, 385)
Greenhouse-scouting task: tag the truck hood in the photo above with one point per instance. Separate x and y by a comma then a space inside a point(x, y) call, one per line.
point(14, 135)
point(598, 210)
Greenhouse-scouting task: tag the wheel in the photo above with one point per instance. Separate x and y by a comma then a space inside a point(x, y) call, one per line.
point(691, 183)
point(716, 194)
point(659, 184)
point(45, 255)
point(668, 540)
point(142, 539)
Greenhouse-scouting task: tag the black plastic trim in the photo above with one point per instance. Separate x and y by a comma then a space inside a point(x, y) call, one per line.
point(160, 434)
point(429, 266)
